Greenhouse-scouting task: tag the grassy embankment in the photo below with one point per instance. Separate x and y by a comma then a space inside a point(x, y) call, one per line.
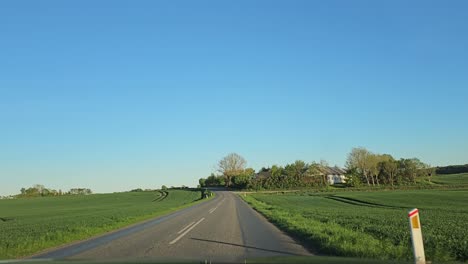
point(374, 224)
point(30, 225)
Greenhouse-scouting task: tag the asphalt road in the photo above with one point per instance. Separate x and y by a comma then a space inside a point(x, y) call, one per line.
point(222, 229)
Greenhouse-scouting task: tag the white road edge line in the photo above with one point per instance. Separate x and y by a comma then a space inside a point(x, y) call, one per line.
point(186, 231)
point(183, 229)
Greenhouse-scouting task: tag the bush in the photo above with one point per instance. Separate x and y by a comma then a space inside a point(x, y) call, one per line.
point(205, 193)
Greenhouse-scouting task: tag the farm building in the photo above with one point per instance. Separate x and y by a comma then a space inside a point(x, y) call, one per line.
point(263, 174)
point(334, 174)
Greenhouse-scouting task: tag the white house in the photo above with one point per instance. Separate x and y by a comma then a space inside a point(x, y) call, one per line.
point(335, 175)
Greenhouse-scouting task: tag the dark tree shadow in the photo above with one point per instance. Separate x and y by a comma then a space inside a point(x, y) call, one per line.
point(245, 246)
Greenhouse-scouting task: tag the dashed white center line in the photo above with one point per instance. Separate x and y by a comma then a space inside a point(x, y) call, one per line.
point(214, 209)
point(186, 231)
point(183, 229)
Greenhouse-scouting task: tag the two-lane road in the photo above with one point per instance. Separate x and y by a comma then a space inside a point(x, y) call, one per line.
point(224, 228)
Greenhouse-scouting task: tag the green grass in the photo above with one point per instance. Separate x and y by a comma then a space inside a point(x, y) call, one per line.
point(30, 225)
point(372, 224)
point(321, 260)
point(451, 179)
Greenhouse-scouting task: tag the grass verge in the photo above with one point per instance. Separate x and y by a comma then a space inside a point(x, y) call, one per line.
point(328, 238)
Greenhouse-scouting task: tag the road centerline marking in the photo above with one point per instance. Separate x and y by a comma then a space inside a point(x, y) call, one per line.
point(183, 229)
point(186, 231)
point(214, 209)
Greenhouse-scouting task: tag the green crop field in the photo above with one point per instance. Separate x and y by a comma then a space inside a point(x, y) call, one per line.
point(451, 179)
point(30, 225)
point(372, 224)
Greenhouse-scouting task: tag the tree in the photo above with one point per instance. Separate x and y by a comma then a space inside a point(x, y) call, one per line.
point(39, 188)
point(202, 181)
point(276, 171)
point(45, 192)
point(230, 166)
point(388, 168)
point(323, 165)
point(80, 191)
point(373, 164)
point(431, 171)
point(243, 179)
point(164, 187)
point(452, 169)
point(359, 159)
point(353, 178)
point(410, 169)
point(315, 172)
point(220, 181)
point(296, 169)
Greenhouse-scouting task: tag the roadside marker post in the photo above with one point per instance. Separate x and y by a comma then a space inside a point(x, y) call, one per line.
point(416, 237)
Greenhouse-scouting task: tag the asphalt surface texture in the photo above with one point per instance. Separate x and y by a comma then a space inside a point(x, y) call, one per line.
point(223, 229)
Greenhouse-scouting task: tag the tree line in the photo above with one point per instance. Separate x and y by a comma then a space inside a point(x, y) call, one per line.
point(452, 169)
point(363, 167)
point(39, 190)
point(372, 169)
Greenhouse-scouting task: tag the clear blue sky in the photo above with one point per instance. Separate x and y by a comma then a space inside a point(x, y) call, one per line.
point(117, 95)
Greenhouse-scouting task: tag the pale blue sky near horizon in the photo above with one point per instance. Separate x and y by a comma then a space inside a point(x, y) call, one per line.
point(117, 95)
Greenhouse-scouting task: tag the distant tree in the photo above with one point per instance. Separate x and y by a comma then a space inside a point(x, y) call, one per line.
point(39, 188)
point(220, 181)
point(431, 171)
point(276, 171)
point(452, 169)
point(316, 172)
point(202, 182)
point(388, 168)
point(374, 168)
point(353, 178)
point(230, 166)
point(296, 170)
point(411, 169)
point(359, 159)
point(324, 166)
point(244, 178)
point(164, 187)
point(45, 192)
point(80, 191)
point(240, 181)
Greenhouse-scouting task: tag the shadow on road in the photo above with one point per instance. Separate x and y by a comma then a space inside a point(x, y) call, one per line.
point(244, 246)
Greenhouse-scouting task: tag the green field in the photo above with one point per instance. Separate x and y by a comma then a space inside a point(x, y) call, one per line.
point(372, 224)
point(30, 225)
point(451, 179)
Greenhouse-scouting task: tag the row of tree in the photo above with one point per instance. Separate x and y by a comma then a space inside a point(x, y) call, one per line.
point(39, 190)
point(234, 174)
point(365, 167)
point(362, 168)
point(452, 169)
point(293, 175)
